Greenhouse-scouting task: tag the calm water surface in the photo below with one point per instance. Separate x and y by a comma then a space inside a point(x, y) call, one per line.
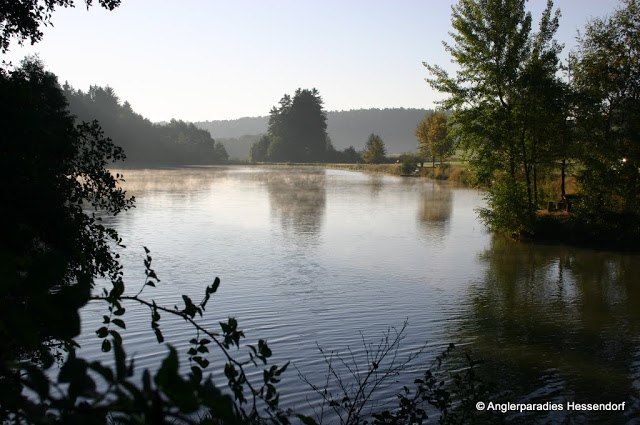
point(311, 257)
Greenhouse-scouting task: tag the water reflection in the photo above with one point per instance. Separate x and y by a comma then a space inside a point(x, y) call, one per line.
point(298, 198)
point(174, 180)
point(375, 183)
point(435, 209)
point(559, 324)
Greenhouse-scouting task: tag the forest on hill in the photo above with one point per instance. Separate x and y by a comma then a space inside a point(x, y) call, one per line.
point(144, 143)
point(396, 126)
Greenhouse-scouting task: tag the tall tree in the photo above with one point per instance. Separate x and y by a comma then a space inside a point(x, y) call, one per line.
point(374, 151)
point(54, 243)
point(432, 137)
point(298, 128)
point(499, 57)
point(606, 70)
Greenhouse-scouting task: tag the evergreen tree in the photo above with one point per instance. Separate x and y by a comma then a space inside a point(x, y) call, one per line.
point(297, 129)
point(374, 151)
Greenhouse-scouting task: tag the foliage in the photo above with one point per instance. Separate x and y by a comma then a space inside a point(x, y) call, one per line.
point(260, 149)
point(432, 137)
point(449, 388)
point(452, 389)
point(94, 393)
point(22, 19)
point(344, 127)
point(54, 171)
point(606, 78)
point(409, 163)
point(506, 98)
point(297, 130)
point(176, 142)
point(374, 151)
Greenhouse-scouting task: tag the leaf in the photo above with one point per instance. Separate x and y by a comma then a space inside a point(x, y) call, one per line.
point(106, 345)
point(102, 332)
point(159, 336)
point(196, 374)
point(117, 339)
point(118, 289)
point(146, 250)
point(201, 361)
point(215, 285)
point(282, 369)
point(119, 323)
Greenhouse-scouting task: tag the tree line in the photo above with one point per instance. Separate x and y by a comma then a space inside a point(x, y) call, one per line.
point(528, 119)
point(173, 143)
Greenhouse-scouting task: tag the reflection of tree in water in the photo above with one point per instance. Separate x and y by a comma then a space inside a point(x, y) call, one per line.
point(435, 210)
point(298, 197)
point(182, 181)
point(375, 184)
point(559, 324)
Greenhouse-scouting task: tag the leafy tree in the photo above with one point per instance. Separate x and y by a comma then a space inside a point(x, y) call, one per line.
point(22, 19)
point(374, 151)
point(51, 250)
point(259, 150)
point(350, 155)
point(504, 68)
point(432, 137)
point(297, 129)
point(606, 77)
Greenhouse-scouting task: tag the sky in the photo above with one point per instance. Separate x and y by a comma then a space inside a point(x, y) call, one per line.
point(201, 60)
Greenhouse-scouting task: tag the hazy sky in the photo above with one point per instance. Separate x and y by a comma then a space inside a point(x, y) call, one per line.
point(224, 59)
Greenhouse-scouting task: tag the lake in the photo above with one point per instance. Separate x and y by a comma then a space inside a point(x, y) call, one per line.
point(312, 257)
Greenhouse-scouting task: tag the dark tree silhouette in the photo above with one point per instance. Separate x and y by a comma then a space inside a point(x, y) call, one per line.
point(174, 143)
point(51, 249)
point(22, 18)
point(297, 130)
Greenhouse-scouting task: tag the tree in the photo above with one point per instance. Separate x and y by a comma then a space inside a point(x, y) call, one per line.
point(260, 149)
point(22, 19)
point(503, 68)
point(606, 78)
point(297, 129)
point(54, 245)
point(51, 250)
point(374, 151)
point(432, 137)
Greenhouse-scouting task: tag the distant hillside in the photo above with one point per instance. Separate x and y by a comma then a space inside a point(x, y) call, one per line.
point(346, 128)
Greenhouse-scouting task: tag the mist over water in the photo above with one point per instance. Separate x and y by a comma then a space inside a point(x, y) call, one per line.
point(309, 256)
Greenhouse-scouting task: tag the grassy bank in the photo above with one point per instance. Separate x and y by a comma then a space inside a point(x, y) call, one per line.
point(453, 172)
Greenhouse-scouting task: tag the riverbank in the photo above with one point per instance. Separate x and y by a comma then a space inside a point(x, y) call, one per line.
point(614, 232)
point(457, 173)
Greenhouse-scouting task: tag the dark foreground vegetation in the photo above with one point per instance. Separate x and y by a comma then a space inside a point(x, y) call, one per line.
point(56, 245)
point(58, 189)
